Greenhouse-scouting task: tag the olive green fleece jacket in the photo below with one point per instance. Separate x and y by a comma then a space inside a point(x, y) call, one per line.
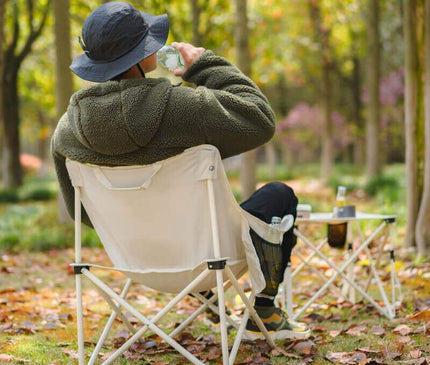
point(141, 121)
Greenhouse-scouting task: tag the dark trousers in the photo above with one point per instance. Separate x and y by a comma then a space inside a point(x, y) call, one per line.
point(275, 199)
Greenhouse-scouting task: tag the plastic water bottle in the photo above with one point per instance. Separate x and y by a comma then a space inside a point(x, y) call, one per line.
point(275, 234)
point(169, 57)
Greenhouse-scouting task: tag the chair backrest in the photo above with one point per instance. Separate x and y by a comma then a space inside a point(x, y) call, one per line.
point(157, 217)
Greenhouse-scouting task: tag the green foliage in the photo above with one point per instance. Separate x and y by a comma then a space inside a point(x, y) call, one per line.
point(15, 221)
point(37, 189)
point(381, 182)
point(350, 182)
point(281, 173)
point(8, 195)
point(34, 189)
point(35, 227)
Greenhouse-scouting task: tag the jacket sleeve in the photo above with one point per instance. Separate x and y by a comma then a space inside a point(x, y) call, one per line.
point(64, 181)
point(229, 110)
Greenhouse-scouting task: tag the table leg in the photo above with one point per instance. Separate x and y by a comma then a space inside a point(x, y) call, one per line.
point(340, 271)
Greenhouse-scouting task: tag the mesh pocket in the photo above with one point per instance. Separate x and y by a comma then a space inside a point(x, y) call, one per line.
point(270, 256)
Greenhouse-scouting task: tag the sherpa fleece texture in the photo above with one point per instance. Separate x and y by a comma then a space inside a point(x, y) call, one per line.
point(141, 121)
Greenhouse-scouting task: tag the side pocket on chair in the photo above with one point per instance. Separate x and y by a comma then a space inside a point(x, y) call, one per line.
point(270, 256)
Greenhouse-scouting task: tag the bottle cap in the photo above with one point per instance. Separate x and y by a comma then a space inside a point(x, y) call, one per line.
point(276, 220)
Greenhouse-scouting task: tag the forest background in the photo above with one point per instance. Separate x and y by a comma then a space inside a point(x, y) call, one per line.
point(349, 81)
point(346, 79)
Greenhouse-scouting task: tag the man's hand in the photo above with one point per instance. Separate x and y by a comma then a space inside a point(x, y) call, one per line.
point(189, 54)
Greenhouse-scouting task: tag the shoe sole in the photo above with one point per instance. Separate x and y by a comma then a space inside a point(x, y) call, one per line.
point(217, 327)
point(278, 335)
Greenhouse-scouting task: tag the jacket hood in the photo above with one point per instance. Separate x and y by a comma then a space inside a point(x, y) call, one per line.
point(114, 117)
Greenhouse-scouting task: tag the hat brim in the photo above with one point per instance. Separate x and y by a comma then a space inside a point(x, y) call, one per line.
point(98, 71)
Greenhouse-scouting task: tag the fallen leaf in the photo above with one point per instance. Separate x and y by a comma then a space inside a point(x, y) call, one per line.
point(350, 358)
point(6, 358)
point(368, 350)
point(423, 316)
point(334, 333)
point(392, 355)
point(402, 329)
point(319, 328)
point(356, 330)
point(279, 351)
point(420, 361)
point(7, 327)
point(305, 347)
point(256, 359)
point(415, 354)
point(214, 353)
point(404, 339)
point(378, 330)
point(50, 326)
point(71, 353)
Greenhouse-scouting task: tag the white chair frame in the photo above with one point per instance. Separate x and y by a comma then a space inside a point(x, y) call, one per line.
point(218, 265)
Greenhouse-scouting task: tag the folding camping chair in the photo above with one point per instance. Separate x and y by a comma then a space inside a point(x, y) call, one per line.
point(173, 226)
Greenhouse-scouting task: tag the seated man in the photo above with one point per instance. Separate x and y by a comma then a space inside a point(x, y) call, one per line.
point(128, 119)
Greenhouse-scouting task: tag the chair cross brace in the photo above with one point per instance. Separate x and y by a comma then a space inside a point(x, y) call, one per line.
point(77, 268)
point(216, 264)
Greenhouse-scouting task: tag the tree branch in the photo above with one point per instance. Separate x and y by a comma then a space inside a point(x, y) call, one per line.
point(10, 50)
point(34, 31)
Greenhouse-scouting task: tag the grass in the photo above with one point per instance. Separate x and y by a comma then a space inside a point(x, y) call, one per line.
point(38, 302)
point(37, 307)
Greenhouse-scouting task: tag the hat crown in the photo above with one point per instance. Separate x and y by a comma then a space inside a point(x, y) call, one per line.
point(112, 30)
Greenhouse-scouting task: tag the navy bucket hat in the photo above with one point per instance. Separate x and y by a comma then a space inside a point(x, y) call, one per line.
point(116, 36)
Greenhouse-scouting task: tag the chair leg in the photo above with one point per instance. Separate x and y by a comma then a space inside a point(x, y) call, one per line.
point(80, 319)
point(239, 335)
point(108, 326)
point(222, 315)
point(147, 323)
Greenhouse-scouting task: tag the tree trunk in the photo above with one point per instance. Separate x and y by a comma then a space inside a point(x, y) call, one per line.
point(12, 171)
point(269, 149)
point(42, 144)
point(13, 58)
point(322, 36)
point(422, 230)
point(358, 153)
point(196, 10)
point(2, 18)
point(248, 171)
point(373, 145)
point(63, 76)
point(327, 130)
point(411, 118)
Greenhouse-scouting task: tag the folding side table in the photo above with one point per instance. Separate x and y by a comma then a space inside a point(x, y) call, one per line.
point(350, 286)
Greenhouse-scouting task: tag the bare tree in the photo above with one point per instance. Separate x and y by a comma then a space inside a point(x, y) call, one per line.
point(322, 36)
point(373, 145)
point(2, 10)
point(411, 117)
point(63, 76)
point(14, 55)
point(422, 229)
point(248, 174)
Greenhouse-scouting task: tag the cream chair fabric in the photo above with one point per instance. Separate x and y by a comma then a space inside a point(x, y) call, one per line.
point(161, 223)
